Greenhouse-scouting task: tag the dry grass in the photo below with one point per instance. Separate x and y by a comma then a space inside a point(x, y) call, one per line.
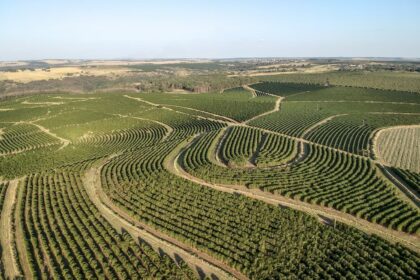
point(264, 70)
point(56, 61)
point(137, 62)
point(27, 76)
point(12, 63)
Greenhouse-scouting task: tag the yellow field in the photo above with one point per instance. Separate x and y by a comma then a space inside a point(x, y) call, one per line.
point(264, 70)
point(60, 73)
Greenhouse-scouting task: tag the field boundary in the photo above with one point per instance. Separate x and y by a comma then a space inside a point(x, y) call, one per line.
point(410, 241)
point(158, 240)
point(7, 236)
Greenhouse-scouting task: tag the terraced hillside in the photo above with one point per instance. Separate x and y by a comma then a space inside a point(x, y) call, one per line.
point(188, 186)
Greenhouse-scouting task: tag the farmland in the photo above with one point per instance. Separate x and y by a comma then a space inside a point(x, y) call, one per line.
point(268, 179)
point(400, 147)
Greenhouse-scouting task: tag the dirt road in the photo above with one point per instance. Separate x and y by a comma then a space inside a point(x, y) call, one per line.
point(6, 234)
point(411, 241)
point(121, 220)
point(64, 142)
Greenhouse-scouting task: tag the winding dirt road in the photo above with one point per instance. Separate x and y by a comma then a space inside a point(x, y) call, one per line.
point(219, 118)
point(275, 109)
point(250, 89)
point(121, 220)
point(64, 142)
point(411, 241)
point(399, 184)
point(168, 129)
point(6, 234)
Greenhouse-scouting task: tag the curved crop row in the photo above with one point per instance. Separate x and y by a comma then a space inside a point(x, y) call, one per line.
point(126, 139)
point(353, 94)
point(352, 132)
point(184, 125)
point(283, 89)
point(325, 177)
point(239, 145)
point(274, 150)
point(236, 103)
point(411, 178)
point(289, 120)
point(243, 232)
point(244, 145)
point(66, 237)
point(23, 137)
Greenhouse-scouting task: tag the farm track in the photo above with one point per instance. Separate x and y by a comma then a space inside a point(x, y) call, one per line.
point(20, 241)
point(385, 166)
point(215, 149)
point(173, 166)
point(276, 108)
point(245, 124)
point(351, 101)
point(302, 146)
point(220, 117)
point(64, 142)
point(393, 113)
point(401, 186)
point(169, 129)
point(404, 187)
point(324, 121)
point(166, 107)
point(47, 103)
point(11, 265)
point(250, 89)
point(121, 220)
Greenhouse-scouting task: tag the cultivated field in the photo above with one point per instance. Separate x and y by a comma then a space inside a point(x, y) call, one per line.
point(400, 147)
point(267, 180)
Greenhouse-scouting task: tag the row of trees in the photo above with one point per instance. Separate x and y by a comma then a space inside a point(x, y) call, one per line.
point(325, 177)
point(260, 240)
point(66, 237)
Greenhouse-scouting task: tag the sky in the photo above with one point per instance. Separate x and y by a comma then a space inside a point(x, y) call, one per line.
point(105, 29)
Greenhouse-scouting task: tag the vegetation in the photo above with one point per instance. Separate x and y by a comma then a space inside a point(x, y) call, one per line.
point(400, 147)
point(66, 237)
point(274, 150)
point(377, 80)
point(284, 89)
point(411, 178)
point(239, 145)
point(251, 236)
point(316, 150)
point(3, 189)
point(22, 137)
point(236, 103)
point(324, 177)
point(352, 132)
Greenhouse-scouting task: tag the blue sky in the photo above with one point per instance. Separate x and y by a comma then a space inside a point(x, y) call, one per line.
point(172, 29)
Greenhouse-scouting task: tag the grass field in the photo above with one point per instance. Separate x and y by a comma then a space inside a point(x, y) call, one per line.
point(183, 186)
